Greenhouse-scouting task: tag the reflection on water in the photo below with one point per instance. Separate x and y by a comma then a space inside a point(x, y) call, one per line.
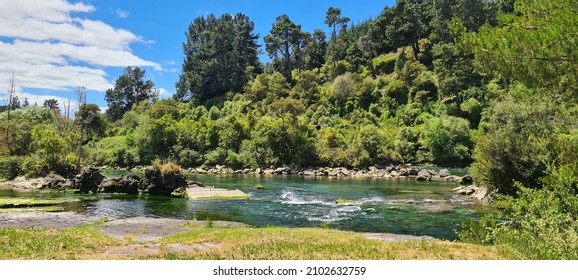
point(403, 207)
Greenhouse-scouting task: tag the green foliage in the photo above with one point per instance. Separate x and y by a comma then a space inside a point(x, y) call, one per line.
point(9, 168)
point(385, 64)
point(31, 114)
point(284, 44)
point(540, 223)
point(50, 153)
point(516, 49)
point(129, 89)
point(220, 56)
point(448, 140)
point(519, 139)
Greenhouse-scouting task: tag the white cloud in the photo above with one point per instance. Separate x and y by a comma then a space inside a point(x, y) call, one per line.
point(163, 93)
point(49, 46)
point(36, 99)
point(121, 13)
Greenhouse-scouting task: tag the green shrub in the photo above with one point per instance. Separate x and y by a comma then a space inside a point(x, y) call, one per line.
point(385, 63)
point(447, 139)
point(538, 223)
point(517, 142)
point(9, 168)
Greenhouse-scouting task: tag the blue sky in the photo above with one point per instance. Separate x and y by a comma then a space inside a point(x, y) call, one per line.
point(54, 46)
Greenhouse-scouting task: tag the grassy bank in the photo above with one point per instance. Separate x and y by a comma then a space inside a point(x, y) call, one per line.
point(238, 243)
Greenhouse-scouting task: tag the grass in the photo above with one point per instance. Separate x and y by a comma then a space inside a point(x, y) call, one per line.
point(63, 244)
point(272, 243)
point(315, 243)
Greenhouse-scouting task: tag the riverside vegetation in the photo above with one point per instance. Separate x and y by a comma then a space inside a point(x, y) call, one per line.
point(489, 84)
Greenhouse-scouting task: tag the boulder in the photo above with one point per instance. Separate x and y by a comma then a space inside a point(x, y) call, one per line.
point(127, 184)
point(394, 174)
point(466, 180)
point(444, 173)
point(403, 172)
point(413, 172)
point(465, 190)
point(423, 175)
point(56, 182)
point(258, 170)
point(452, 178)
point(180, 192)
point(268, 171)
point(163, 183)
point(308, 173)
point(88, 181)
point(280, 170)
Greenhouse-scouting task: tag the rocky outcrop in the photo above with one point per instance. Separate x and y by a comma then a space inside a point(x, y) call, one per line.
point(88, 181)
point(479, 193)
point(163, 183)
point(127, 184)
point(423, 175)
point(50, 182)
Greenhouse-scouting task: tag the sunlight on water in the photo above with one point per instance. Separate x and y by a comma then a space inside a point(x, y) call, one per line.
point(368, 205)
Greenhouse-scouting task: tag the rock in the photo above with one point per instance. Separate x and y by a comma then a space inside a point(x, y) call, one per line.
point(180, 192)
point(453, 178)
point(163, 183)
point(128, 184)
point(247, 171)
point(280, 170)
point(268, 171)
point(412, 172)
point(466, 180)
point(465, 190)
point(334, 173)
point(404, 172)
point(321, 173)
point(394, 174)
point(258, 170)
point(89, 180)
point(444, 173)
point(52, 182)
point(308, 173)
point(423, 175)
point(258, 187)
point(432, 172)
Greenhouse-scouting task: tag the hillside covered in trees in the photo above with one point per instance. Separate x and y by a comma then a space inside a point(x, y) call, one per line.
point(447, 83)
point(487, 84)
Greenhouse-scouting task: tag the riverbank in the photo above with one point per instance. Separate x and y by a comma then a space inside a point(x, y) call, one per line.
point(150, 238)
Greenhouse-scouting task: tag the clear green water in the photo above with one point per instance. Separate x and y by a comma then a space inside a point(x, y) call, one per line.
point(394, 206)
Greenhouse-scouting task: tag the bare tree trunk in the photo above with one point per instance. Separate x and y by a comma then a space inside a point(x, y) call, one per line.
point(11, 93)
point(81, 95)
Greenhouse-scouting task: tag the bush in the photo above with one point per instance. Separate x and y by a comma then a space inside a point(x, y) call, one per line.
point(518, 140)
point(448, 140)
point(9, 168)
point(540, 223)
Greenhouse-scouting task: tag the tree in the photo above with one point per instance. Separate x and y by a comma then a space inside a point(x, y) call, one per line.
point(334, 20)
point(315, 50)
point(129, 89)
point(536, 46)
point(51, 104)
point(8, 127)
point(283, 43)
point(408, 23)
point(220, 56)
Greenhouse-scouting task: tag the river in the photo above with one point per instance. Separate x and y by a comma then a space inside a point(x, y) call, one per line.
point(363, 205)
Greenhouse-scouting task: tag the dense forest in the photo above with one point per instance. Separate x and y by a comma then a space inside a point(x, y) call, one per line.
point(487, 84)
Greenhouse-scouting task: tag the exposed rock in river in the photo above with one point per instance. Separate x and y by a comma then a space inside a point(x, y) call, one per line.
point(88, 181)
